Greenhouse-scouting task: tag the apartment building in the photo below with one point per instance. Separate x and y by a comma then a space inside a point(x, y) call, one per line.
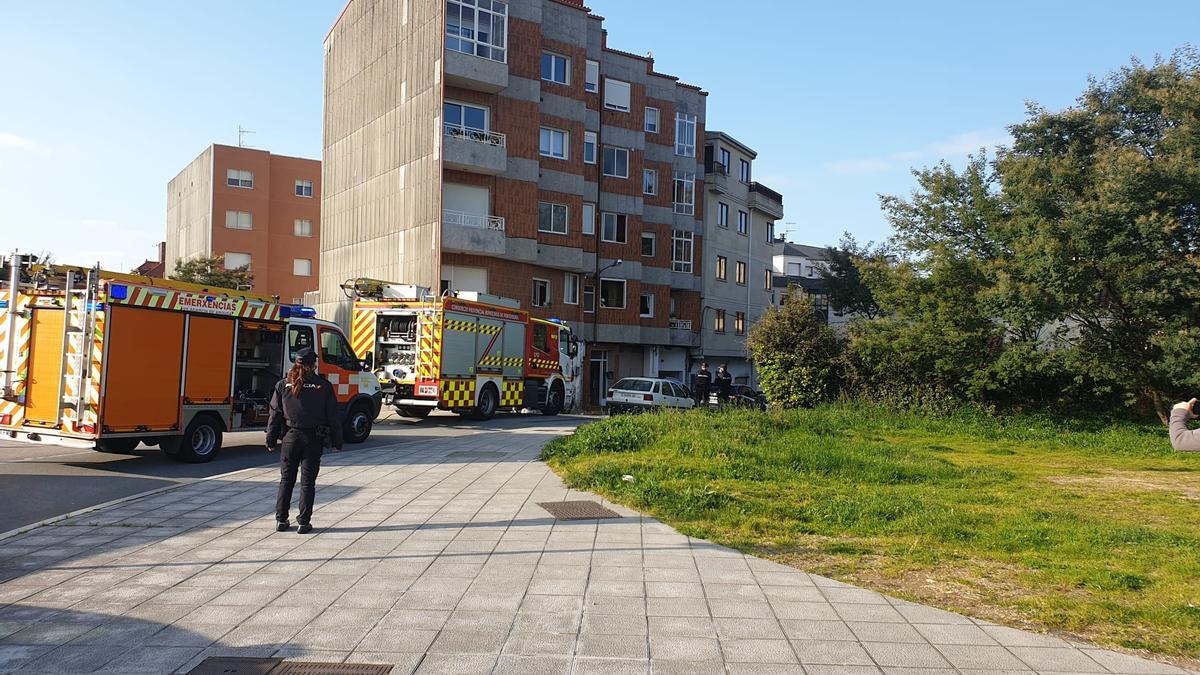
point(259, 210)
point(739, 218)
point(505, 147)
point(799, 266)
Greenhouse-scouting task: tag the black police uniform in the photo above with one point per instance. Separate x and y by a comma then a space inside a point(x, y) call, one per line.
point(724, 382)
point(311, 418)
point(702, 386)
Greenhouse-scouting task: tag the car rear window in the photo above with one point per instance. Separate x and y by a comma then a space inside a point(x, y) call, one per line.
point(634, 385)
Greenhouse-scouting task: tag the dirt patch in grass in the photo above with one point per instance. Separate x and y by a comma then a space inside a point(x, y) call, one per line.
point(1184, 484)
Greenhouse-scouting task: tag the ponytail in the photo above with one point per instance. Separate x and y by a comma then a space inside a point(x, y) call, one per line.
point(297, 375)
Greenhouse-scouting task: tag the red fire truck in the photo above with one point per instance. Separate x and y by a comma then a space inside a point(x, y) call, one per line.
point(472, 353)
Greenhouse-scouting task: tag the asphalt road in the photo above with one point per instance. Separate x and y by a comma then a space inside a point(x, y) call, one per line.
point(43, 481)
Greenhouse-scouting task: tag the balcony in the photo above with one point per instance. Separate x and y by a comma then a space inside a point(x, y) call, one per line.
point(474, 150)
point(473, 233)
point(766, 200)
point(716, 177)
point(476, 73)
point(680, 324)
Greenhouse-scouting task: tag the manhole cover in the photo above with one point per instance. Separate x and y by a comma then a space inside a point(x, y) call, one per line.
point(578, 510)
point(234, 665)
point(478, 454)
point(298, 668)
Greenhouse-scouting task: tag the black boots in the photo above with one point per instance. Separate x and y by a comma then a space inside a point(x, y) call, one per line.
point(304, 528)
point(282, 526)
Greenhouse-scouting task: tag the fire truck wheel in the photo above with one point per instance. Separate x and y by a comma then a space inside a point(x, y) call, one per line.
point(489, 400)
point(554, 400)
point(357, 426)
point(419, 412)
point(121, 446)
point(200, 442)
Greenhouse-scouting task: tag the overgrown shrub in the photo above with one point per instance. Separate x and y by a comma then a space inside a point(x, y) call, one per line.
point(798, 357)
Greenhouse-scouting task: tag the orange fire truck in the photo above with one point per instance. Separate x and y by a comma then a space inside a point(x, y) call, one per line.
point(472, 353)
point(96, 359)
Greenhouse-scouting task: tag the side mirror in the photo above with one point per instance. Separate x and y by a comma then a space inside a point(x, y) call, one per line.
point(573, 346)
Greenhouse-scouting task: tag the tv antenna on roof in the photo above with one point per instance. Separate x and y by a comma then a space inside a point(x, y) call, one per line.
point(242, 136)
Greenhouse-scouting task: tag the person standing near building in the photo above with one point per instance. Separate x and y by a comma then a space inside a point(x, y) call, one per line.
point(307, 404)
point(702, 385)
point(724, 382)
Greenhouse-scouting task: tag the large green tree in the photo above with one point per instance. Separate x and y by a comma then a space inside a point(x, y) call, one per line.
point(1102, 228)
point(211, 271)
point(848, 292)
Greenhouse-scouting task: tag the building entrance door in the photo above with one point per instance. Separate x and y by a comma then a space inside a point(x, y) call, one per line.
point(598, 377)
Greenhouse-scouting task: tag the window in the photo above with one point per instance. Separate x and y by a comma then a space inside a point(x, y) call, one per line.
point(739, 323)
point(237, 261)
point(793, 269)
point(589, 298)
point(541, 337)
point(612, 228)
point(616, 162)
point(650, 181)
point(722, 215)
point(302, 267)
point(552, 218)
point(681, 251)
point(302, 228)
point(479, 30)
point(721, 268)
point(648, 244)
point(652, 120)
point(589, 147)
point(553, 143)
point(685, 135)
point(810, 271)
point(591, 77)
point(719, 320)
point(239, 178)
point(740, 273)
point(589, 218)
point(646, 306)
point(725, 160)
point(541, 293)
point(556, 68)
point(304, 188)
point(744, 171)
point(239, 220)
point(616, 94)
point(335, 351)
point(299, 337)
point(571, 288)
point(684, 196)
point(743, 222)
point(768, 279)
point(612, 294)
point(770, 232)
point(460, 119)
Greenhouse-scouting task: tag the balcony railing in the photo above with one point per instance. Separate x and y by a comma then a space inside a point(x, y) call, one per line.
point(680, 324)
point(717, 168)
point(477, 135)
point(765, 191)
point(482, 222)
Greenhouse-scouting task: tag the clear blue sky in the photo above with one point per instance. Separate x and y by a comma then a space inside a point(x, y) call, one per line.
point(105, 101)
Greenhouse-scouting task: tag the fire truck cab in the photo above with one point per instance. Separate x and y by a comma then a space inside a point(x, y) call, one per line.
point(95, 359)
point(471, 353)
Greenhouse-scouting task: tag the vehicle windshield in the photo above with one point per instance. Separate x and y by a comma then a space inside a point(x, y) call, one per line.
point(634, 385)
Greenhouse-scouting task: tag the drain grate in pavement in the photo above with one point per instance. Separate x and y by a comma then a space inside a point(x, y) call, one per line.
point(299, 668)
point(477, 454)
point(234, 665)
point(578, 510)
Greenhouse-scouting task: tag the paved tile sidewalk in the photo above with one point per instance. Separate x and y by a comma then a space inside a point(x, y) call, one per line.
point(436, 558)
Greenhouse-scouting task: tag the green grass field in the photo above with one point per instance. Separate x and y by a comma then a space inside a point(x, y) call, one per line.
point(1091, 528)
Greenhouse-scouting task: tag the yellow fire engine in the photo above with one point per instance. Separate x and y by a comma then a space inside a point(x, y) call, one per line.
point(472, 353)
point(103, 360)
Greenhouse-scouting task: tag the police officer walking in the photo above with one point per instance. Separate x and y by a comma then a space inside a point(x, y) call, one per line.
point(724, 383)
point(702, 385)
point(306, 403)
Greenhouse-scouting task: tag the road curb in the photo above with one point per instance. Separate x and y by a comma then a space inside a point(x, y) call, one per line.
point(120, 500)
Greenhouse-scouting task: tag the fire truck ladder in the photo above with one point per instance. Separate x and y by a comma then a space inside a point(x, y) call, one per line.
point(80, 306)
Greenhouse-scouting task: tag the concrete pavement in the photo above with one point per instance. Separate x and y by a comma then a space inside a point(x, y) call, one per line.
point(435, 557)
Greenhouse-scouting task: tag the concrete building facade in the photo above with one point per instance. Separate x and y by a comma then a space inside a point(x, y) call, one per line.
point(800, 266)
point(739, 220)
point(258, 210)
point(504, 147)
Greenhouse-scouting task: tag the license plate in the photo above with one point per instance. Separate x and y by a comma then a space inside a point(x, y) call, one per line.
point(427, 390)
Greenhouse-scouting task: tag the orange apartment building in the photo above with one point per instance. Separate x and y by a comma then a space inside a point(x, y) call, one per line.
point(259, 210)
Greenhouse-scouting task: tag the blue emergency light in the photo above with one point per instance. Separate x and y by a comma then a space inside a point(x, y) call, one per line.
point(118, 291)
point(299, 311)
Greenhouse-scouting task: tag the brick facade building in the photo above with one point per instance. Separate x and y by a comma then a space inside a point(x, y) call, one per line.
point(504, 147)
